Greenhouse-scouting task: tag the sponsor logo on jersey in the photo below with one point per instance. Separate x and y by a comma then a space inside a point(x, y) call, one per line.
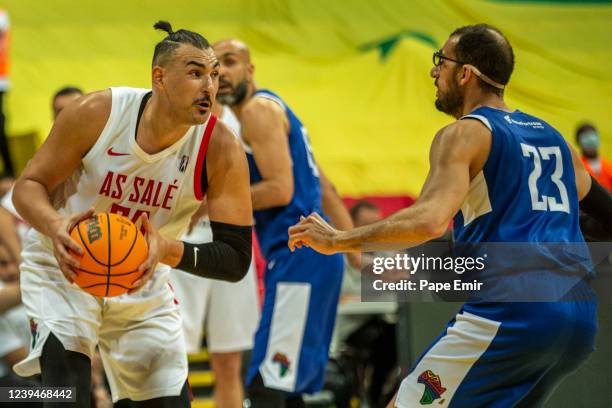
point(283, 364)
point(433, 387)
point(535, 125)
point(113, 153)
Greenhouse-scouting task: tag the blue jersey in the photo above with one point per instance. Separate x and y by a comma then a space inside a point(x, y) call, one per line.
point(272, 224)
point(526, 191)
point(525, 197)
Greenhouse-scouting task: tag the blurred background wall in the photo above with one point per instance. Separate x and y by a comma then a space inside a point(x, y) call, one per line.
point(356, 72)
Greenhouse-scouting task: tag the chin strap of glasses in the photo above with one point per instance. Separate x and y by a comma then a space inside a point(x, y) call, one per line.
point(485, 78)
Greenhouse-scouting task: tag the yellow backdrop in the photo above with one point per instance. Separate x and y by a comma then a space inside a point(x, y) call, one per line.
point(356, 72)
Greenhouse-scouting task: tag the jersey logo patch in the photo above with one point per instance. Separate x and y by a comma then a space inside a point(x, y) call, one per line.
point(112, 153)
point(183, 163)
point(283, 363)
point(33, 332)
point(433, 387)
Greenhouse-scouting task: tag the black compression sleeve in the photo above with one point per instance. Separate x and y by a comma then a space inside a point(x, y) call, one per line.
point(227, 258)
point(598, 205)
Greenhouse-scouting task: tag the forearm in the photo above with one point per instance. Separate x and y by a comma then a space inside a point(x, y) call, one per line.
point(173, 252)
point(268, 194)
point(404, 229)
point(10, 296)
point(334, 208)
point(31, 199)
point(227, 258)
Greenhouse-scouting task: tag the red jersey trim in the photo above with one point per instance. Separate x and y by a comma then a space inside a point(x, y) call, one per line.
point(199, 194)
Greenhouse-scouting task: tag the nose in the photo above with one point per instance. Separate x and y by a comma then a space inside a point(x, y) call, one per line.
point(434, 72)
point(209, 84)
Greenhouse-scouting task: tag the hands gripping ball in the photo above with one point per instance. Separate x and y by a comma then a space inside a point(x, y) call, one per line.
point(113, 249)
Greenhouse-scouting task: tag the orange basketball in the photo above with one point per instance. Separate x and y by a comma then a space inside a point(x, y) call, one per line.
point(113, 249)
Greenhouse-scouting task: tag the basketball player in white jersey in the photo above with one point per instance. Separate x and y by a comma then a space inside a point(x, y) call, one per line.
point(150, 155)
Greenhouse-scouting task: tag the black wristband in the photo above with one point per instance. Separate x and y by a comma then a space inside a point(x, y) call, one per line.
point(227, 258)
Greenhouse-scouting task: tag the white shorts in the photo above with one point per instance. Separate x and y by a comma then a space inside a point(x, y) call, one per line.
point(230, 311)
point(139, 335)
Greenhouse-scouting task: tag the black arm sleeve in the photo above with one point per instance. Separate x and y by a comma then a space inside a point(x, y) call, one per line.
point(597, 205)
point(227, 258)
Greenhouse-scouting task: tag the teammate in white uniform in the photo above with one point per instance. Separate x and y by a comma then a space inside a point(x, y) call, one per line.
point(151, 156)
point(230, 311)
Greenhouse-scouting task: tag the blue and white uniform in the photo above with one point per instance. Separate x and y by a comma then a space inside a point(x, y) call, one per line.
point(301, 288)
point(506, 354)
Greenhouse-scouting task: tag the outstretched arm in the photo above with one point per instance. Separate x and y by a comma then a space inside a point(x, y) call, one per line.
point(457, 154)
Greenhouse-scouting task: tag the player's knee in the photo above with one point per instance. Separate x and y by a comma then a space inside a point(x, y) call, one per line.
point(226, 366)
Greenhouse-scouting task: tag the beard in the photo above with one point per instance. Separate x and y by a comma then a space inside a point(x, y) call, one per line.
point(451, 101)
point(236, 96)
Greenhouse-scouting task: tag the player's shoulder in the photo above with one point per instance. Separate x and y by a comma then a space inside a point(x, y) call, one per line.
point(86, 117)
point(225, 152)
point(223, 142)
point(465, 130)
point(260, 107)
point(462, 140)
point(92, 106)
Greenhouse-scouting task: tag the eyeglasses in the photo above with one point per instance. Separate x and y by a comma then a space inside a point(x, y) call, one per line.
point(437, 61)
point(438, 57)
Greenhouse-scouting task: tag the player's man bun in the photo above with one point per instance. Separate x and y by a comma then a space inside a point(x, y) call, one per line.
point(164, 26)
point(165, 48)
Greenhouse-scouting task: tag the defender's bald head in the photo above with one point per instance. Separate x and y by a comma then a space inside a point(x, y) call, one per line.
point(232, 46)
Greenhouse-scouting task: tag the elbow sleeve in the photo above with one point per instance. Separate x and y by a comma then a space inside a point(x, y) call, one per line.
point(227, 258)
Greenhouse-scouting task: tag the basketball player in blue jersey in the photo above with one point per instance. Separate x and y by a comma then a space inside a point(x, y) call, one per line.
point(301, 289)
point(505, 176)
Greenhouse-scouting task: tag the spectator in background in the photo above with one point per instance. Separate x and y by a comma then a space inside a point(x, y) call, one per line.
point(5, 36)
point(364, 212)
point(600, 168)
point(63, 98)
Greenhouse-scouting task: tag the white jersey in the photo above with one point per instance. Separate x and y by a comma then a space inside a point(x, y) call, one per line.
point(118, 176)
point(228, 117)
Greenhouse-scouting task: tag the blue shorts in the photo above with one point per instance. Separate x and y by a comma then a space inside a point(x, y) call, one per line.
point(297, 321)
point(502, 355)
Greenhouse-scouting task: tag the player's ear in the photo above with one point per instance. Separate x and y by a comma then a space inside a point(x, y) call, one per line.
point(157, 76)
point(465, 74)
point(250, 70)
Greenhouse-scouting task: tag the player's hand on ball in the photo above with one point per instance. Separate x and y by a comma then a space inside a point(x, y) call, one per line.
point(313, 232)
point(63, 244)
point(157, 249)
